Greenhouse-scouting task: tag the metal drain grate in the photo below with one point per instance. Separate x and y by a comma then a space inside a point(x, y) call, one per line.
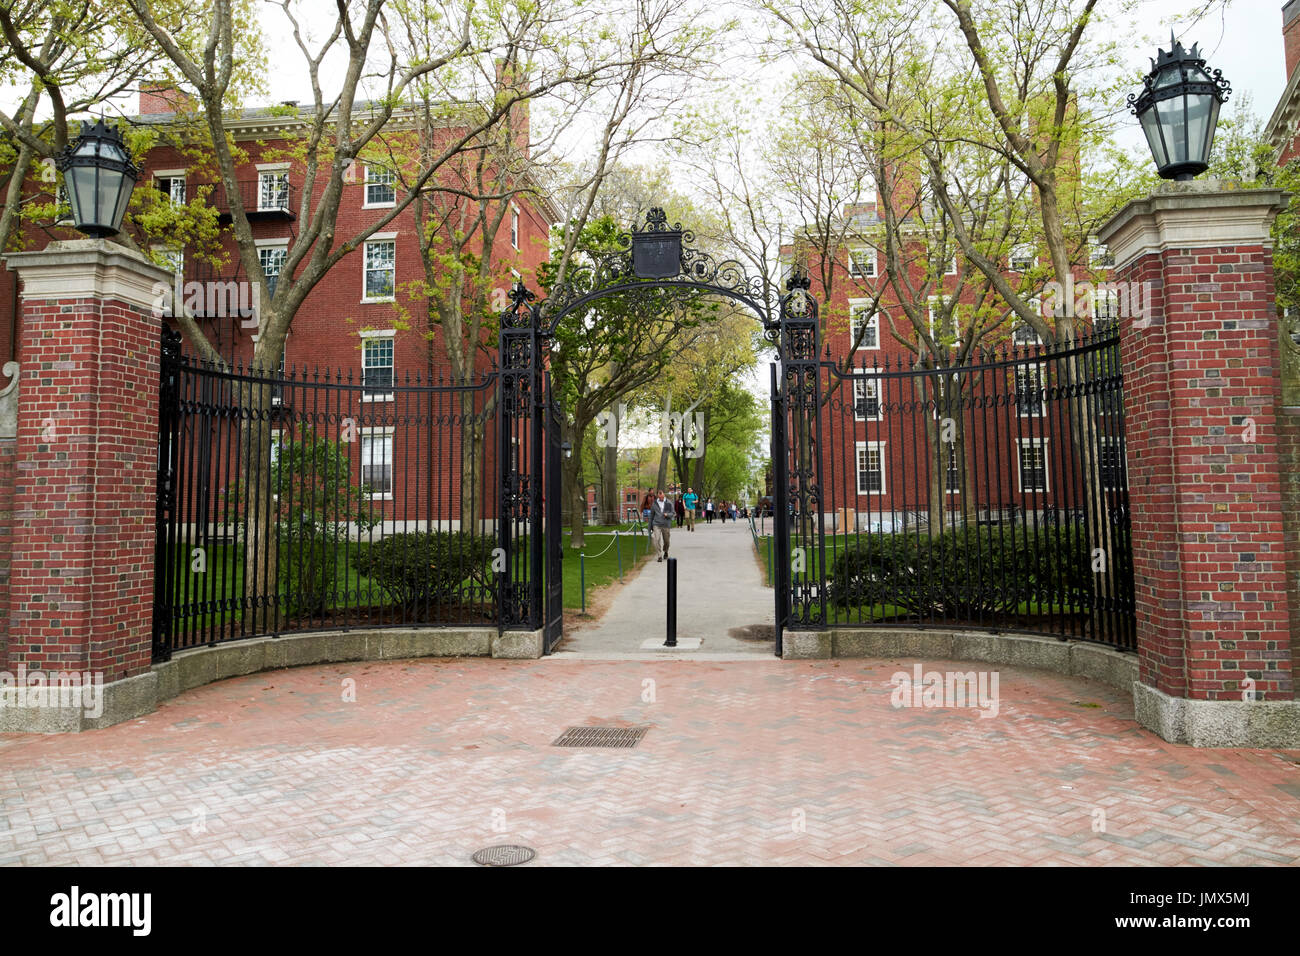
point(504, 855)
point(600, 737)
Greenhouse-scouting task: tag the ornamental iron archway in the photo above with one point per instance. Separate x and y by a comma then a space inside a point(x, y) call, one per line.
point(656, 256)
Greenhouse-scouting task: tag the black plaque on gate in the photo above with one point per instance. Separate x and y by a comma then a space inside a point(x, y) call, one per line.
point(656, 255)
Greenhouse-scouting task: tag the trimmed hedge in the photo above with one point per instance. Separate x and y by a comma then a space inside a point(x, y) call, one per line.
point(423, 568)
point(965, 572)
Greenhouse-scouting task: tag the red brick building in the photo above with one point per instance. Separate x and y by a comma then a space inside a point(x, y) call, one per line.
point(882, 472)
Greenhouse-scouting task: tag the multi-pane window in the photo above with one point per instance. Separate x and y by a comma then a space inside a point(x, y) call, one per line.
point(950, 265)
point(1099, 255)
point(1110, 463)
point(952, 473)
point(1105, 307)
point(866, 399)
point(273, 191)
point(173, 187)
point(1023, 259)
point(377, 463)
point(871, 470)
point(175, 259)
point(1029, 390)
point(865, 327)
point(381, 189)
point(272, 259)
point(381, 269)
point(862, 263)
point(1033, 464)
point(1024, 334)
point(377, 367)
point(514, 228)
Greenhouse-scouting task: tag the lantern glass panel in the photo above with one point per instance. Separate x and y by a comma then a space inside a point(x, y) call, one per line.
point(1173, 118)
point(80, 181)
point(1151, 126)
point(1198, 123)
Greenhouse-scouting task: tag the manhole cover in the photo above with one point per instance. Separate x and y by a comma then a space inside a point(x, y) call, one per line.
point(600, 737)
point(505, 855)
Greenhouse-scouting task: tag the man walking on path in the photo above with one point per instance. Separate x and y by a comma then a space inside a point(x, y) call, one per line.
point(661, 522)
point(689, 499)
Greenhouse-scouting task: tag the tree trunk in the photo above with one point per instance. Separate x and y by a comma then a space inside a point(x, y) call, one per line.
point(665, 443)
point(576, 493)
point(610, 493)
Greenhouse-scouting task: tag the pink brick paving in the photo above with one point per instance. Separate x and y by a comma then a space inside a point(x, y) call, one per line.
point(439, 758)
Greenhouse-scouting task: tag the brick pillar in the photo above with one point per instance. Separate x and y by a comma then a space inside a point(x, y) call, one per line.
point(81, 580)
point(1205, 436)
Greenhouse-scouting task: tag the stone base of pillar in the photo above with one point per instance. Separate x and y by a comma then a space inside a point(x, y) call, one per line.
point(1218, 723)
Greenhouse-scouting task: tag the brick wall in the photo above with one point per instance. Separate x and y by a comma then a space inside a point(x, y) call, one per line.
point(1201, 392)
point(8, 461)
point(83, 503)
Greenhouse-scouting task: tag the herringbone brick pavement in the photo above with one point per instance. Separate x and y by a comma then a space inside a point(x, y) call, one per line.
point(763, 762)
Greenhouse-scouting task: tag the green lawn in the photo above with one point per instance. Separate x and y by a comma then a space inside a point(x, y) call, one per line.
point(223, 578)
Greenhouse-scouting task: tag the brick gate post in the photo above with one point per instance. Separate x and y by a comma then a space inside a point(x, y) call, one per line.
point(82, 561)
point(1208, 436)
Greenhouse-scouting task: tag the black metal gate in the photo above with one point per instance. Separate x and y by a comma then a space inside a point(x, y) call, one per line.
point(553, 494)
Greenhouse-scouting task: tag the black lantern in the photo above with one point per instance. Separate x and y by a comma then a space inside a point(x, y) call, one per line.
point(1179, 109)
point(98, 174)
point(657, 249)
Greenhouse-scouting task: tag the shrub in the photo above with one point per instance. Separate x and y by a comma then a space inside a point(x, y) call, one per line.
point(423, 568)
point(963, 573)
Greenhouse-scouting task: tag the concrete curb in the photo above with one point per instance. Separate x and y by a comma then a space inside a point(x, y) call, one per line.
point(1072, 658)
point(135, 696)
point(1262, 724)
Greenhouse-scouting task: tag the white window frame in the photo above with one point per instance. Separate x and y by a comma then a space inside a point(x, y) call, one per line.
point(1033, 442)
point(281, 245)
point(1111, 297)
point(1099, 254)
point(514, 227)
point(1017, 333)
point(367, 336)
point(171, 175)
point(859, 473)
point(367, 182)
point(855, 270)
point(372, 432)
point(1025, 252)
point(1109, 441)
point(934, 302)
point(377, 238)
point(1040, 371)
point(863, 305)
point(862, 388)
point(265, 170)
point(950, 267)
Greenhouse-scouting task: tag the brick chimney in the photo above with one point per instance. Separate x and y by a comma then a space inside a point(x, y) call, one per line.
point(1291, 34)
point(158, 98)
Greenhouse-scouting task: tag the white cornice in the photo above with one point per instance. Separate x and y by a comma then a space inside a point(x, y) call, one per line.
point(91, 269)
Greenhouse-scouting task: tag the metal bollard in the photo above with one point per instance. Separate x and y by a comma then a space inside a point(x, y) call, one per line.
point(769, 562)
point(618, 546)
point(672, 603)
point(582, 580)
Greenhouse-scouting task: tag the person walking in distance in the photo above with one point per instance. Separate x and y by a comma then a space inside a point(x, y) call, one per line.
point(661, 523)
point(689, 500)
point(708, 511)
point(647, 505)
point(680, 509)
